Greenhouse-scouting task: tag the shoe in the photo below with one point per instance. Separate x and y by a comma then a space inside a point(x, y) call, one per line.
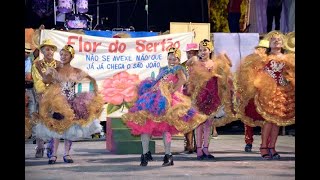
point(202, 156)
point(167, 160)
point(67, 160)
point(275, 155)
point(149, 156)
point(248, 148)
point(143, 159)
point(39, 152)
point(52, 161)
point(266, 156)
point(207, 156)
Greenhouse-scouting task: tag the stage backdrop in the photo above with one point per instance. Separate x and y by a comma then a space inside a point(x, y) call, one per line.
point(118, 64)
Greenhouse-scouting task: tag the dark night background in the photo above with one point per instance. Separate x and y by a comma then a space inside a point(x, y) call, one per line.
point(132, 13)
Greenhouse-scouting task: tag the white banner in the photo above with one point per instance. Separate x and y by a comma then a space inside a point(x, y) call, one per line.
point(118, 64)
point(103, 57)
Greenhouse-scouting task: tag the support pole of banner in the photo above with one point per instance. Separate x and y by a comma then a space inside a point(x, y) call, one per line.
point(98, 15)
point(55, 12)
point(118, 14)
point(147, 9)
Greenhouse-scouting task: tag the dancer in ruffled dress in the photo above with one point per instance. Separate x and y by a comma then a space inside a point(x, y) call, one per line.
point(64, 113)
point(267, 93)
point(162, 109)
point(210, 86)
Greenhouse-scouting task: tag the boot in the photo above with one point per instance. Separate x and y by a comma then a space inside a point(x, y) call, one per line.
point(248, 148)
point(167, 160)
point(144, 161)
point(149, 156)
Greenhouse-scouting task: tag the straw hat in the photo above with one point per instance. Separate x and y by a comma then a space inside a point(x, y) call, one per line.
point(192, 46)
point(274, 33)
point(289, 42)
point(48, 42)
point(263, 43)
point(27, 47)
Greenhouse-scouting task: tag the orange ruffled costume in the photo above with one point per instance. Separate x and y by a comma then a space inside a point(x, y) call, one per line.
point(267, 90)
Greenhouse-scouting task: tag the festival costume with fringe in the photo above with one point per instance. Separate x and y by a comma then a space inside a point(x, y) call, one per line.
point(80, 111)
point(211, 89)
point(157, 110)
point(267, 90)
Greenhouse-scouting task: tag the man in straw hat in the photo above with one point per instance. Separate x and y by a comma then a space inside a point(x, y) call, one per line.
point(41, 82)
point(260, 50)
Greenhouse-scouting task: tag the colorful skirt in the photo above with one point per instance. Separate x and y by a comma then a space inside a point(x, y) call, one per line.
point(158, 111)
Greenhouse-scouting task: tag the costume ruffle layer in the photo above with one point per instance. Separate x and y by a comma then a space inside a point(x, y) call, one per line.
point(152, 128)
point(262, 98)
point(82, 110)
point(212, 91)
point(74, 132)
point(175, 114)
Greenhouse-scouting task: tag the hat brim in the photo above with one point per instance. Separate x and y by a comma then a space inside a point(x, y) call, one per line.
point(28, 50)
point(260, 47)
point(191, 50)
point(272, 33)
point(54, 47)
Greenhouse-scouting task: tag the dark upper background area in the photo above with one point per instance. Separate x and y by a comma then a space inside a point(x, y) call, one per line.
point(131, 13)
